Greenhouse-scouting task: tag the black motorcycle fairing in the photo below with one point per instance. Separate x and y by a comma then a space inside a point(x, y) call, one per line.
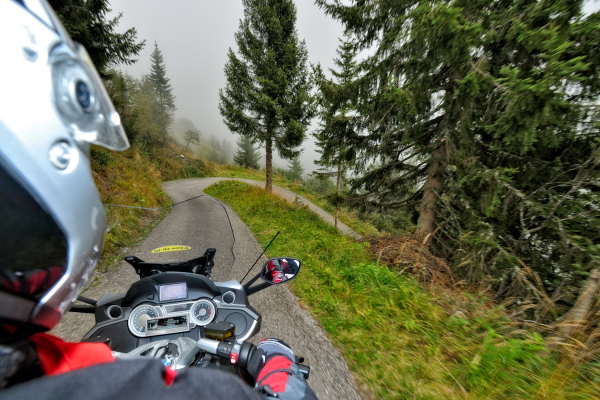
point(123, 341)
point(120, 338)
point(146, 290)
point(239, 312)
point(103, 304)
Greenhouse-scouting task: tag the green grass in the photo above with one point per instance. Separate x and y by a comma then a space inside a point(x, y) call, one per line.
point(234, 171)
point(349, 218)
point(345, 215)
point(398, 339)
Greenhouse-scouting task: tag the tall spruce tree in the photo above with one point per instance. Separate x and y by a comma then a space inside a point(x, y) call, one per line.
point(295, 170)
point(216, 152)
point(246, 155)
point(405, 100)
point(227, 149)
point(162, 89)
point(267, 94)
point(86, 22)
point(145, 129)
point(335, 106)
point(479, 118)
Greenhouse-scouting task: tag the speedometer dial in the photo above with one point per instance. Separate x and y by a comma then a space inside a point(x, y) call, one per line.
point(138, 318)
point(203, 312)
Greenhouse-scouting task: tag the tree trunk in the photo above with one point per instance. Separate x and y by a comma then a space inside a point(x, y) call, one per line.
point(269, 165)
point(338, 186)
point(576, 316)
point(433, 187)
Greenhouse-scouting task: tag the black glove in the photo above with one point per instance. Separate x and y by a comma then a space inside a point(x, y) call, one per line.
point(267, 349)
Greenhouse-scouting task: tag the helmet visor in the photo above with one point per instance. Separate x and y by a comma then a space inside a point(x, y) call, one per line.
point(33, 248)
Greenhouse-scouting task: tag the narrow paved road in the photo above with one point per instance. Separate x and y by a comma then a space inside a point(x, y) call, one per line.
point(200, 224)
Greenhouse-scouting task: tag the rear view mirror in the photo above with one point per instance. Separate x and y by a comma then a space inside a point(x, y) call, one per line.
point(280, 270)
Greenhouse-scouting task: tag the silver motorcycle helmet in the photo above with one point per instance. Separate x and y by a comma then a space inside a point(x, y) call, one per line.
point(53, 106)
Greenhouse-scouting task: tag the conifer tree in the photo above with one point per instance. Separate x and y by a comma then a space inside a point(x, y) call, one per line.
point(246, 155)
point(267, 94)
point(86, 23)
point(336, 129)
point(480, 120)
point(295, 169)
point(216, 153)
point(162, 89)
point(145, 130)
point(227, 149)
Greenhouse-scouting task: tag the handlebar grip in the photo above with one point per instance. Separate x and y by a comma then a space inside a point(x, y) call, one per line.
point(246, 353)
point(224, 349)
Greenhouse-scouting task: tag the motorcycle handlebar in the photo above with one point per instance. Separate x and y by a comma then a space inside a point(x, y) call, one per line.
point(240, 354)
point(237, 354)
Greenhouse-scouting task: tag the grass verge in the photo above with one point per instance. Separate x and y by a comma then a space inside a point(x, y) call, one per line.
point(398, 339)
point(346, 216)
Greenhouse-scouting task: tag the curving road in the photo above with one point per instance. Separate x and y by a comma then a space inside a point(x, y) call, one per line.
point(199, 224)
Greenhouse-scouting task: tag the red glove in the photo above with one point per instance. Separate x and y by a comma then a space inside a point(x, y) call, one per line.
point(276, 373)
point(276, 271)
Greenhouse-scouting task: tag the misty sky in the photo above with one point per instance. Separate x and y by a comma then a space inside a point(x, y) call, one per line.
point(194, 37)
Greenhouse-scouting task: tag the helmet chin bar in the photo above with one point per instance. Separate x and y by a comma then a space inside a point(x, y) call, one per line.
point(46, 317)
point(48, 312)
point(20, 308)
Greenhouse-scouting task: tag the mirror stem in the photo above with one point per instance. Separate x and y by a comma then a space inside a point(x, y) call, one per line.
point(247, 285)
point(261, 254)
point(91, 302)
point(257, 288)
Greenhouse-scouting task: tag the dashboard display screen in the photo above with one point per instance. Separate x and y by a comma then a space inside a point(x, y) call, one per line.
point(175, 291)
point(167, 324)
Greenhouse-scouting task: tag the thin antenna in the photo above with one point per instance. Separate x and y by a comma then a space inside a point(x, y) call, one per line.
point(261, 254)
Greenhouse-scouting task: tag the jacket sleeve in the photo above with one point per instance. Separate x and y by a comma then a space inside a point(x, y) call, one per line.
point(280, 378)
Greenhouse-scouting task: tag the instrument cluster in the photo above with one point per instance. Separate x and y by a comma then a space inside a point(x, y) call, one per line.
point(149, 320)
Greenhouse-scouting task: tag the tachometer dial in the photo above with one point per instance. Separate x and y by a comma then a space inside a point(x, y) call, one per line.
point(203, 312)
point(138, 318)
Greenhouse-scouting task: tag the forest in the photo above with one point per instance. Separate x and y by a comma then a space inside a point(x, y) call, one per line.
point(468, 136)
point(473, 126)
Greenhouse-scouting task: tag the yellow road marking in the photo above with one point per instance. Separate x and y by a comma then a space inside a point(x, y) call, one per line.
point(171, 248)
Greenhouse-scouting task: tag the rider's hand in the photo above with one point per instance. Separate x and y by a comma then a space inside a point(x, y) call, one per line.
point(276, 373)
point(276, 271)
point(266, 350)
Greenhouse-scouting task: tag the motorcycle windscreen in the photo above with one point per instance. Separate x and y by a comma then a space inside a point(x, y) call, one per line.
point(190, 228)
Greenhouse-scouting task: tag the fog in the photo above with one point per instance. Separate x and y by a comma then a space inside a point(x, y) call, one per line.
point(194, 37)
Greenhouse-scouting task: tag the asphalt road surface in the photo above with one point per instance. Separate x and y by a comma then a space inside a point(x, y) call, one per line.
point(200, 224)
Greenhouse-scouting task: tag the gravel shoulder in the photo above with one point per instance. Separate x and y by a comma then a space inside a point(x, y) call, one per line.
point(202, 223)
